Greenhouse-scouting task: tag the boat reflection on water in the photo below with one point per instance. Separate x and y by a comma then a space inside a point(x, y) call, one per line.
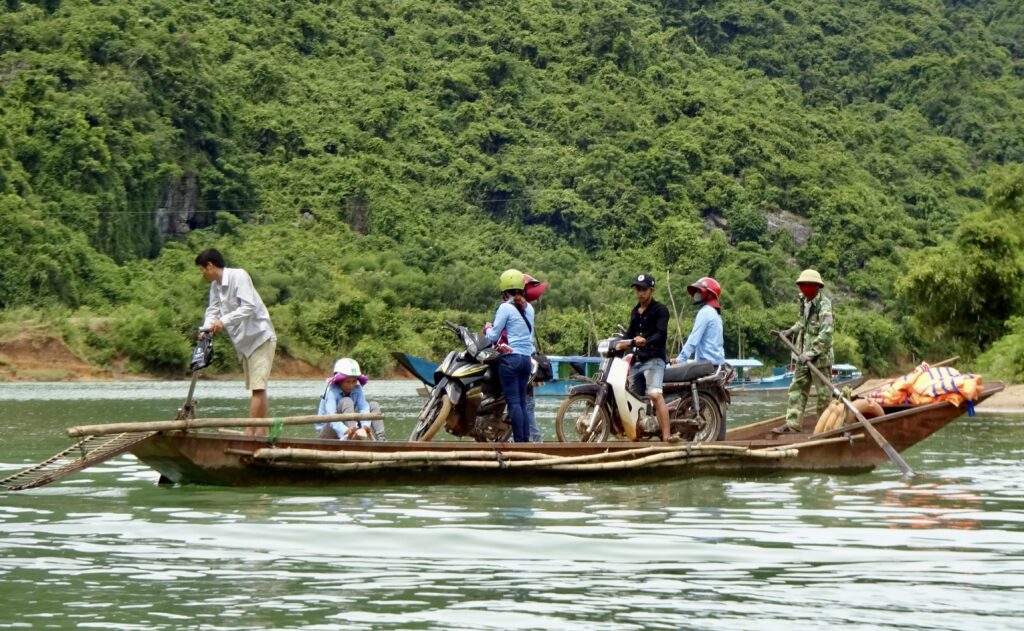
point(933, 505)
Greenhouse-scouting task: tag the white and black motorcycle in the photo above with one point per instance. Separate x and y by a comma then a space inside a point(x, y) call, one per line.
point(695, 394)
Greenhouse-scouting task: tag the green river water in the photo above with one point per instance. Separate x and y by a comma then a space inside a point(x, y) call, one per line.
point(109, 549)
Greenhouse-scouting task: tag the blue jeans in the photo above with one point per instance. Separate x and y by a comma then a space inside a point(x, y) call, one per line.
point(647, 376)
point(514, 373)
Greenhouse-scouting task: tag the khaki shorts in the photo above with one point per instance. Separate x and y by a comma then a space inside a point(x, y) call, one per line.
point(257, 366)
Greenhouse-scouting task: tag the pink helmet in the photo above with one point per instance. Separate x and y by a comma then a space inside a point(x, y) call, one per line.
point(534, 288)
point(709, 286)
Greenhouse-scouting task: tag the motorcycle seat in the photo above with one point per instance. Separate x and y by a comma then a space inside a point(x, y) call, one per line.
point(688, 371)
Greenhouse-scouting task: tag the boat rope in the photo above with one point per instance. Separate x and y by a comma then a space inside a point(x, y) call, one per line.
point(275, 430)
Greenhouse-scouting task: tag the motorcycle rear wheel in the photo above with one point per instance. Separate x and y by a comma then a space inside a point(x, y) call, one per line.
point(710, 420)
point(426, 429)
point(573, 416)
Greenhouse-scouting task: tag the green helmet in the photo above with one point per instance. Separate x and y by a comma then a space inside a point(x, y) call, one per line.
point(810, 276)
point(512, 279)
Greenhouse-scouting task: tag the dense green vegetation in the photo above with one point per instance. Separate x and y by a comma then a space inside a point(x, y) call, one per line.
point(375, 164)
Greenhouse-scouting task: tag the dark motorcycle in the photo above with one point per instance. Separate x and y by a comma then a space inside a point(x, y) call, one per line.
point(466, 399)
point(695, 394)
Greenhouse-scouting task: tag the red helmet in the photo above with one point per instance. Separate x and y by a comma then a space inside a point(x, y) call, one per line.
point(707, 285)
point(534, 288)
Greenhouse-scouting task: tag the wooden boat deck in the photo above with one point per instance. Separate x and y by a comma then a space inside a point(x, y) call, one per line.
point(236, 460)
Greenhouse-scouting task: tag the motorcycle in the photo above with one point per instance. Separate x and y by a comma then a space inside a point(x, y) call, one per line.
point(695, 394)
point(466, 399)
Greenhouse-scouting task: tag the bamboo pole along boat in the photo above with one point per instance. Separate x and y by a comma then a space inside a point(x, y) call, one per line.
point(182, 452)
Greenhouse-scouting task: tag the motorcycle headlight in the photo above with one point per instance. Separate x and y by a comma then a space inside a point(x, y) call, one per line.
point(603, 347)
point(487, 355)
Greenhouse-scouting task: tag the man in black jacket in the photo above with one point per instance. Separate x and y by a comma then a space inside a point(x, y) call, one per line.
point(648, 326)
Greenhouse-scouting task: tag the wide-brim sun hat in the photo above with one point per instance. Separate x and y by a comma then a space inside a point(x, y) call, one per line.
point(347, 367)
point(810, 276)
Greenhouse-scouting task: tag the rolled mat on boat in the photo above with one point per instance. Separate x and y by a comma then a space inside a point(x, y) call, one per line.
point(837, 415)
point(830, 417)
point(867, 407)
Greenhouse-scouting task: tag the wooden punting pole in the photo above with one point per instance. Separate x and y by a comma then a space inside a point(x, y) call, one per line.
point(163, 426)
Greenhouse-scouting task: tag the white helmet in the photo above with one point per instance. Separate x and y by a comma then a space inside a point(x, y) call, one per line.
point(348, 367)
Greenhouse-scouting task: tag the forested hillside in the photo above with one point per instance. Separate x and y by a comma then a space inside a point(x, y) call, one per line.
point(376, 164)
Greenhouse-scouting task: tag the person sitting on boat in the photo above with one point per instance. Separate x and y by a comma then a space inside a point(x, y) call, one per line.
point(344, 395)
point(514, 317)
point(813, 330)
point(706, 341)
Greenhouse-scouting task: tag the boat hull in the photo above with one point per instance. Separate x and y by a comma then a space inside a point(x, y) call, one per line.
point(231, 460)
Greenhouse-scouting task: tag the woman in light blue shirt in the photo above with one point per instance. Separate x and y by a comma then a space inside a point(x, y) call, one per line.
point(515, 317)
point(344, 395)
point(706, 340)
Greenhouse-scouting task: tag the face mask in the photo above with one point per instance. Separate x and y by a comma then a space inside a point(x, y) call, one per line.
point(698, 297)
point(809, 291)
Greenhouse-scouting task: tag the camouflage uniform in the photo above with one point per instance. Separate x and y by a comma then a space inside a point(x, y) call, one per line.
point(813, 329)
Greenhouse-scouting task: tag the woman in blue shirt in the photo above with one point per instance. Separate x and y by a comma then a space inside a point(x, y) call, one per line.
point(514, 317)
point(344, 395)
point(706, 340)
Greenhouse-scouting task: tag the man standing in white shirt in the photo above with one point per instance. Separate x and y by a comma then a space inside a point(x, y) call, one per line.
point(236, 307)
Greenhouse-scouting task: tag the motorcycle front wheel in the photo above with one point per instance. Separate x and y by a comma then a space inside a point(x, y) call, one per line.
point(435, 417)
point(573, 417)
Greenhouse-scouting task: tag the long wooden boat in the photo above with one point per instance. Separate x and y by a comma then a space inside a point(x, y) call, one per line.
point(197, 457)
point(843, 376)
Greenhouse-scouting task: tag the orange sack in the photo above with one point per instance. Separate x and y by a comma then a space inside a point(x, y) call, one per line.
point(945, 384)
point(897, 391)
point(925, 385)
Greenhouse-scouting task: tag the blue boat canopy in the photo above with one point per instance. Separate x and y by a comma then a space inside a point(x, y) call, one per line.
point(749, 362)
point(575, 359)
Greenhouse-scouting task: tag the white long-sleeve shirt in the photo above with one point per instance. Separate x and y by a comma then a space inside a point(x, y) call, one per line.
point(235, 302)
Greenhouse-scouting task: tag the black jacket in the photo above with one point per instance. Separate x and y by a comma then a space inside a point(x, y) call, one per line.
point(652, 324)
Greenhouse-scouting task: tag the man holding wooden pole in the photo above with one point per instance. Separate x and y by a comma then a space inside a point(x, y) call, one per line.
point(237, 308)
point(813, 341)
